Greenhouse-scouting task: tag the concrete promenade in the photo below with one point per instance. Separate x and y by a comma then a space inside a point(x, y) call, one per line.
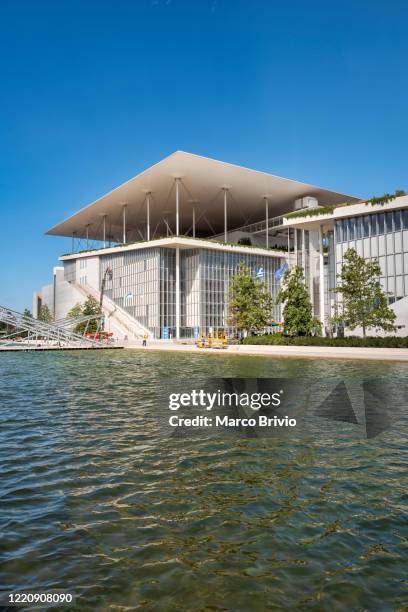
point(313, 352)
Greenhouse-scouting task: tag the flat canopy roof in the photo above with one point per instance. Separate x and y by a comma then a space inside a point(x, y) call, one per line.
point(201, 186)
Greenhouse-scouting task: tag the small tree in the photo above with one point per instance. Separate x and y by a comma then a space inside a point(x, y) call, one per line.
point(76, 311)
point(44, 314)
point(91, 307)
point(23, 333)
point(88, 308)
point(297, 310)
point(364, 303)
point(250, 303)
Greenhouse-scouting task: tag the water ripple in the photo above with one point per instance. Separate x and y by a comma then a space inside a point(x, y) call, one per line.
point(94, 498)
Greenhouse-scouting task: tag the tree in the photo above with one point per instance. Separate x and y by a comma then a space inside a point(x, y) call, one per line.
point(23, 333)
point(44, 314)
point(297, 310)
point(364, 303)
point(76, 311)
point(89, 308)
point(250, 303)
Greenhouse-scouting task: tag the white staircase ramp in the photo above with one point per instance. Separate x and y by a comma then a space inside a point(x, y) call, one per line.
point(117, 320)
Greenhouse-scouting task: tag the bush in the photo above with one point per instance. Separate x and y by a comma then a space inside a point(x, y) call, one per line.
point(369, 341)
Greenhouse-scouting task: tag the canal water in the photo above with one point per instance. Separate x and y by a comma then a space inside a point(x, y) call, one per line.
point(94, 499)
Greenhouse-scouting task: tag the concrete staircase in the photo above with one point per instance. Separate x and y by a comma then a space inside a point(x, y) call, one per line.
point(117, 320)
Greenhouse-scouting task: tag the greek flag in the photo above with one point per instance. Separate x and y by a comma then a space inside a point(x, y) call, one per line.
point(260, 273)
point(281, 271)
point(129, 296)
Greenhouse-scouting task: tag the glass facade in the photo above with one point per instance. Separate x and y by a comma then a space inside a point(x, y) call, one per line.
point(383, 236)
point(144, 284)
point(303, 253)
point(135, 284)
point(206, 278)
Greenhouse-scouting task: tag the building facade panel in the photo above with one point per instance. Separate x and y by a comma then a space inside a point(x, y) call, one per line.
point(134, 284)
point(379, 235)
point(143, 283)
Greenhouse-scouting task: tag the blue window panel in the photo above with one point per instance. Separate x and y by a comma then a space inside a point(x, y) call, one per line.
point(359, 227)
point(374, 229)
point(346, 230)
point(352, 229)
point(381, 222)
point(397, 220)
point(388, 220)
point(339, 231)
point(366, 226)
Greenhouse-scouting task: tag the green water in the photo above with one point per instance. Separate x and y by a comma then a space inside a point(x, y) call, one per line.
point(93, 498)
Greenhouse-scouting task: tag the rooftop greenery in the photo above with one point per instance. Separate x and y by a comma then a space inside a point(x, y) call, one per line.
point(387, 197)
point(311, 212)
point(328, 210)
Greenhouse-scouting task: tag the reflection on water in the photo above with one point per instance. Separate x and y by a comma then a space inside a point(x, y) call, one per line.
point(95, 499)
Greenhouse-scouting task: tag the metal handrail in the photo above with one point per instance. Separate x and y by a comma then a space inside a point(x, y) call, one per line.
point(258, 226)
point(49, 331)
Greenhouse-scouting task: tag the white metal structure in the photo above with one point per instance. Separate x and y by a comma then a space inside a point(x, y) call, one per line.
point(188, 194)
point(39, 334)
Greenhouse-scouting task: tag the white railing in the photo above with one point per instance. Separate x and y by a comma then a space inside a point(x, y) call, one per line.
point(27, 330)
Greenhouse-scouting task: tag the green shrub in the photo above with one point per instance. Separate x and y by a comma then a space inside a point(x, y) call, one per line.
point(369, 341)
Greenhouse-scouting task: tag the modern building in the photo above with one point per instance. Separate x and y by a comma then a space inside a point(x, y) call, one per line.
point(165, 245)
point(374, 230)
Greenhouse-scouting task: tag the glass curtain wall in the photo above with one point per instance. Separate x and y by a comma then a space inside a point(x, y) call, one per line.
point(217, 270)
point(135, 284)
point(144, 284)
point(383, 236)
point(167, 325)
point(303, 253)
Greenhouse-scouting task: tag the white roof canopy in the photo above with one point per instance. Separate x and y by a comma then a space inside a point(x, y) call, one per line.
point(201, 185)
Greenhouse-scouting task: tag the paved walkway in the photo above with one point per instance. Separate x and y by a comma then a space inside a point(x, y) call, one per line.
point(319, 352)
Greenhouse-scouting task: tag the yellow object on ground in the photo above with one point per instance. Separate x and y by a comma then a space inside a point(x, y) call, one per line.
point(216, 340)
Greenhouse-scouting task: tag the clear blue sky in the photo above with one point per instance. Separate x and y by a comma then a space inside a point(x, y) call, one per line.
point(92, 92)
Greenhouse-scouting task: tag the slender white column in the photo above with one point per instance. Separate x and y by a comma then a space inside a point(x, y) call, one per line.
point(193, 221)
point(87, 236)
point(267, 222)
point(225, 215)
point(296, 247)
point(124, 223)
point(335, 265)
point(303, 253)
point(321, 280)
point(177, 208)
point(104, 230)
point(177, 294)
point(148, 215)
